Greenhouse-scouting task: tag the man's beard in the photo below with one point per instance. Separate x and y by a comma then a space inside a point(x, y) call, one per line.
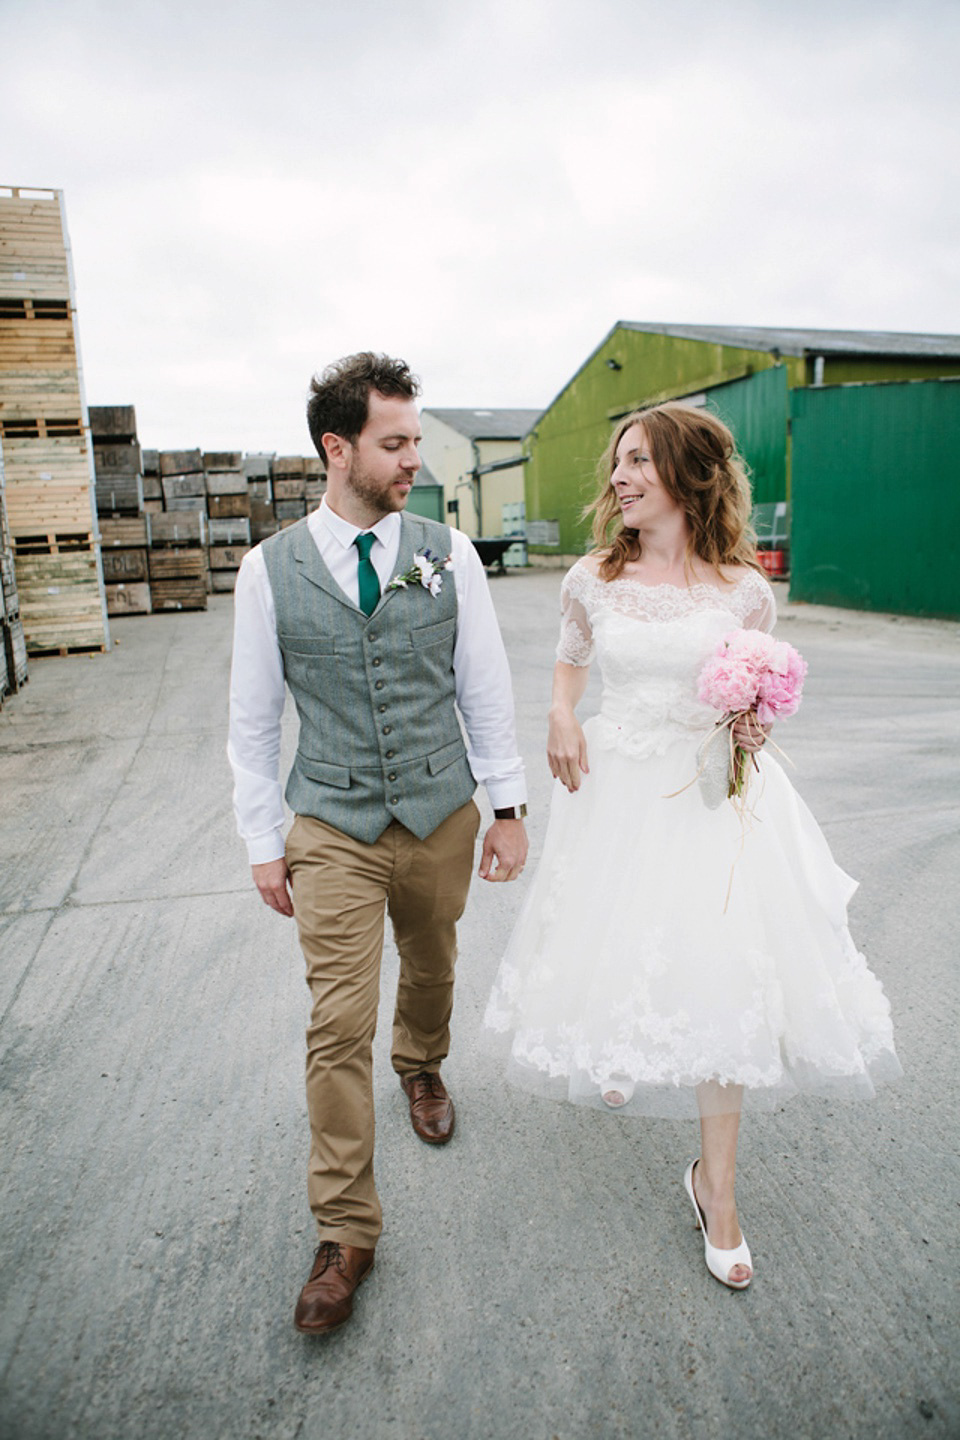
point(374, 493)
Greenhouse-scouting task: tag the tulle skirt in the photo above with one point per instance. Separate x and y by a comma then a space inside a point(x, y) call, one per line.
point(664, 944)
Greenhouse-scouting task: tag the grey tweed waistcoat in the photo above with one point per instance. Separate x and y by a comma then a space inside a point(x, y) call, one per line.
point(379, 735)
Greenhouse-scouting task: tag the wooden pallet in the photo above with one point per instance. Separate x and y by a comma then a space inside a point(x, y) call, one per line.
point(126, 532)
point(178, 594)
point(229, 507)
point(177, 564)
point(34, 261)
point(183, 487)
point(123, 566)
point(288, 466)
point(129, 598)
point(119, 495)
point(226, 482)
point(181, 462)
point(47, 447)
point(52, 543)
point(113, 422)
point(180, 527)
point(15, 654)
point(61, 605)
point(227, 557)
point(234, 531)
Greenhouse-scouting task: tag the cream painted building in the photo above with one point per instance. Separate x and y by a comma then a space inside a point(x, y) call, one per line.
point(458, 445)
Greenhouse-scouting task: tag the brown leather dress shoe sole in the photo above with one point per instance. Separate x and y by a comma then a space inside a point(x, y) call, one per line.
point(326, 1301)
point(431, 1110)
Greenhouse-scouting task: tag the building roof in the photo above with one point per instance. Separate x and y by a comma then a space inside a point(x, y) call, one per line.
point(487, 424)
point(808, 342)
point(425, 475)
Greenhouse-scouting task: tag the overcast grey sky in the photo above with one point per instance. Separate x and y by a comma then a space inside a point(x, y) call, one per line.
point(254, 189)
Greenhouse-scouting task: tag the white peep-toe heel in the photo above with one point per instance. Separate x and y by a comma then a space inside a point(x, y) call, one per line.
point(719, 1262)
point(616, 1091)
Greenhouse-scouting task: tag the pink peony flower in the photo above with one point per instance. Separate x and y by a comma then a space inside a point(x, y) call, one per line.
point(750, 670)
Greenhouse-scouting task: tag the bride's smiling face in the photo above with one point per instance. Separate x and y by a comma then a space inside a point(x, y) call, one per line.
point(643, 497)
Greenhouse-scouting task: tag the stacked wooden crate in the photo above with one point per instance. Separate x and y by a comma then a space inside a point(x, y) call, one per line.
point(13, 650)
point(124, 535)
point(152, 489)
point(177, 560)
point(289, 489)
point(259, 472)
point(43, 424)
point(228, 505)
point(182, 480)
point(123, 545)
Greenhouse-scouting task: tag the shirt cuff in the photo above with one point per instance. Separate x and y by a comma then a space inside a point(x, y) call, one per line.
point(261, 849)
point(502, 793)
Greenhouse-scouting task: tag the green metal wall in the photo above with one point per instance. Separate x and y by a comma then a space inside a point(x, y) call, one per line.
point(757, 409)
point(572, 433)
point(427, 500)
point(746, 387)
point(876, 497)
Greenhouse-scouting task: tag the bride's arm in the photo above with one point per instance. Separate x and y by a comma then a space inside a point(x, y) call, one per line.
point(566, 746)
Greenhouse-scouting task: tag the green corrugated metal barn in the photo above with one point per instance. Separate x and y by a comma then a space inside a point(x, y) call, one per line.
point(754, 377)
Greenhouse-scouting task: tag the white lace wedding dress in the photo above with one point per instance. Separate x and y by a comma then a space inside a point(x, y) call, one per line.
point(624, 962)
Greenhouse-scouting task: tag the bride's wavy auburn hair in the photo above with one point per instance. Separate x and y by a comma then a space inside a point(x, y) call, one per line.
point(696, 458)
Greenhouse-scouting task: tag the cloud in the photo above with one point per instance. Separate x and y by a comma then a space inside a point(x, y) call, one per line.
point(481, 189)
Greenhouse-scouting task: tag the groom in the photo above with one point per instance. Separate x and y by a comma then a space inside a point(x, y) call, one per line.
point(385, 645)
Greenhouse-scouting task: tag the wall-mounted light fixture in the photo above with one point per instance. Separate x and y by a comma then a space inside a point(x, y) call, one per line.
point(614, 365)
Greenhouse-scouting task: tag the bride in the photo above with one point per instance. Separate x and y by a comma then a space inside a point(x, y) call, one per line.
point(672, 958)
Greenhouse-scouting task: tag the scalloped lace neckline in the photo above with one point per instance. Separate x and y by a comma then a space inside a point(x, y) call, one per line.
point(679, 589)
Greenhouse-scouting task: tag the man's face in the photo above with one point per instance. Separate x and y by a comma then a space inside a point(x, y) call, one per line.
point(384, 459)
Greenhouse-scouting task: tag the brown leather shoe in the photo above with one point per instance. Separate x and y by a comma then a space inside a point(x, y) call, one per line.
point(431, 1109)
point(326, 1300)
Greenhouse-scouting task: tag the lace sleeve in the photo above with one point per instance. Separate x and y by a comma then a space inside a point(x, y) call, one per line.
point(762, 614)
point(576, 633)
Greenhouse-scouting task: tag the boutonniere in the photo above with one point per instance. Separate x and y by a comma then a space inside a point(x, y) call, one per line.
point(426, 570)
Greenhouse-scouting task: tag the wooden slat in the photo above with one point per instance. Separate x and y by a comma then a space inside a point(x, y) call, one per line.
point(178, 594)
point(124, 532)
point(60, 601)
point(235, 531)
point(128, 598)
point(226, 482)
point(123, 565)
point(225, 507)
point(177, 564)
point(227, 557)
point(179, 528)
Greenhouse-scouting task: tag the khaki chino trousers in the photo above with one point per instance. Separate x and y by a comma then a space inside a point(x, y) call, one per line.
point(341, 890)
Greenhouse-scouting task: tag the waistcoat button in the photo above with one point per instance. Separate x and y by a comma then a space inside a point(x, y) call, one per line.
point(387, 729)
point(392, 775)
point(390, 754)
point(378, 685)
point(376, 660)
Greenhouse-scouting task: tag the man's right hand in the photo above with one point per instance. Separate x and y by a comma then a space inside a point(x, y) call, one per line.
point(273, 882)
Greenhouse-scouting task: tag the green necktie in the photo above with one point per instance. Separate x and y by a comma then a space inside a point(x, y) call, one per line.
point(366, 575)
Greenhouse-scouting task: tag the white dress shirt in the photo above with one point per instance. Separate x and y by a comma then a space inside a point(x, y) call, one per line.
point(257, 689)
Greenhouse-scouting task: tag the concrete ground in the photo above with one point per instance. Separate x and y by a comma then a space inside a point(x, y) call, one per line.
point(539, 1278)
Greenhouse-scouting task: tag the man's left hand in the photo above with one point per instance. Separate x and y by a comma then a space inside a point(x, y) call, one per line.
point(506, 844)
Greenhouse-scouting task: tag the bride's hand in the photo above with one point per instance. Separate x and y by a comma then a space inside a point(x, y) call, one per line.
point(566, 747)
point(748, 733)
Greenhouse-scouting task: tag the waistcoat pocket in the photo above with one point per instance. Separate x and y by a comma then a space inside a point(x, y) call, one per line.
point(436, 634)
point(323, 772)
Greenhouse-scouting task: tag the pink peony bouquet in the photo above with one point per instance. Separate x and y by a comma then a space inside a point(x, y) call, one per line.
point(750, 671)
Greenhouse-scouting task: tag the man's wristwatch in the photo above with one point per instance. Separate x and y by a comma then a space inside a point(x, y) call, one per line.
point(510, 812)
